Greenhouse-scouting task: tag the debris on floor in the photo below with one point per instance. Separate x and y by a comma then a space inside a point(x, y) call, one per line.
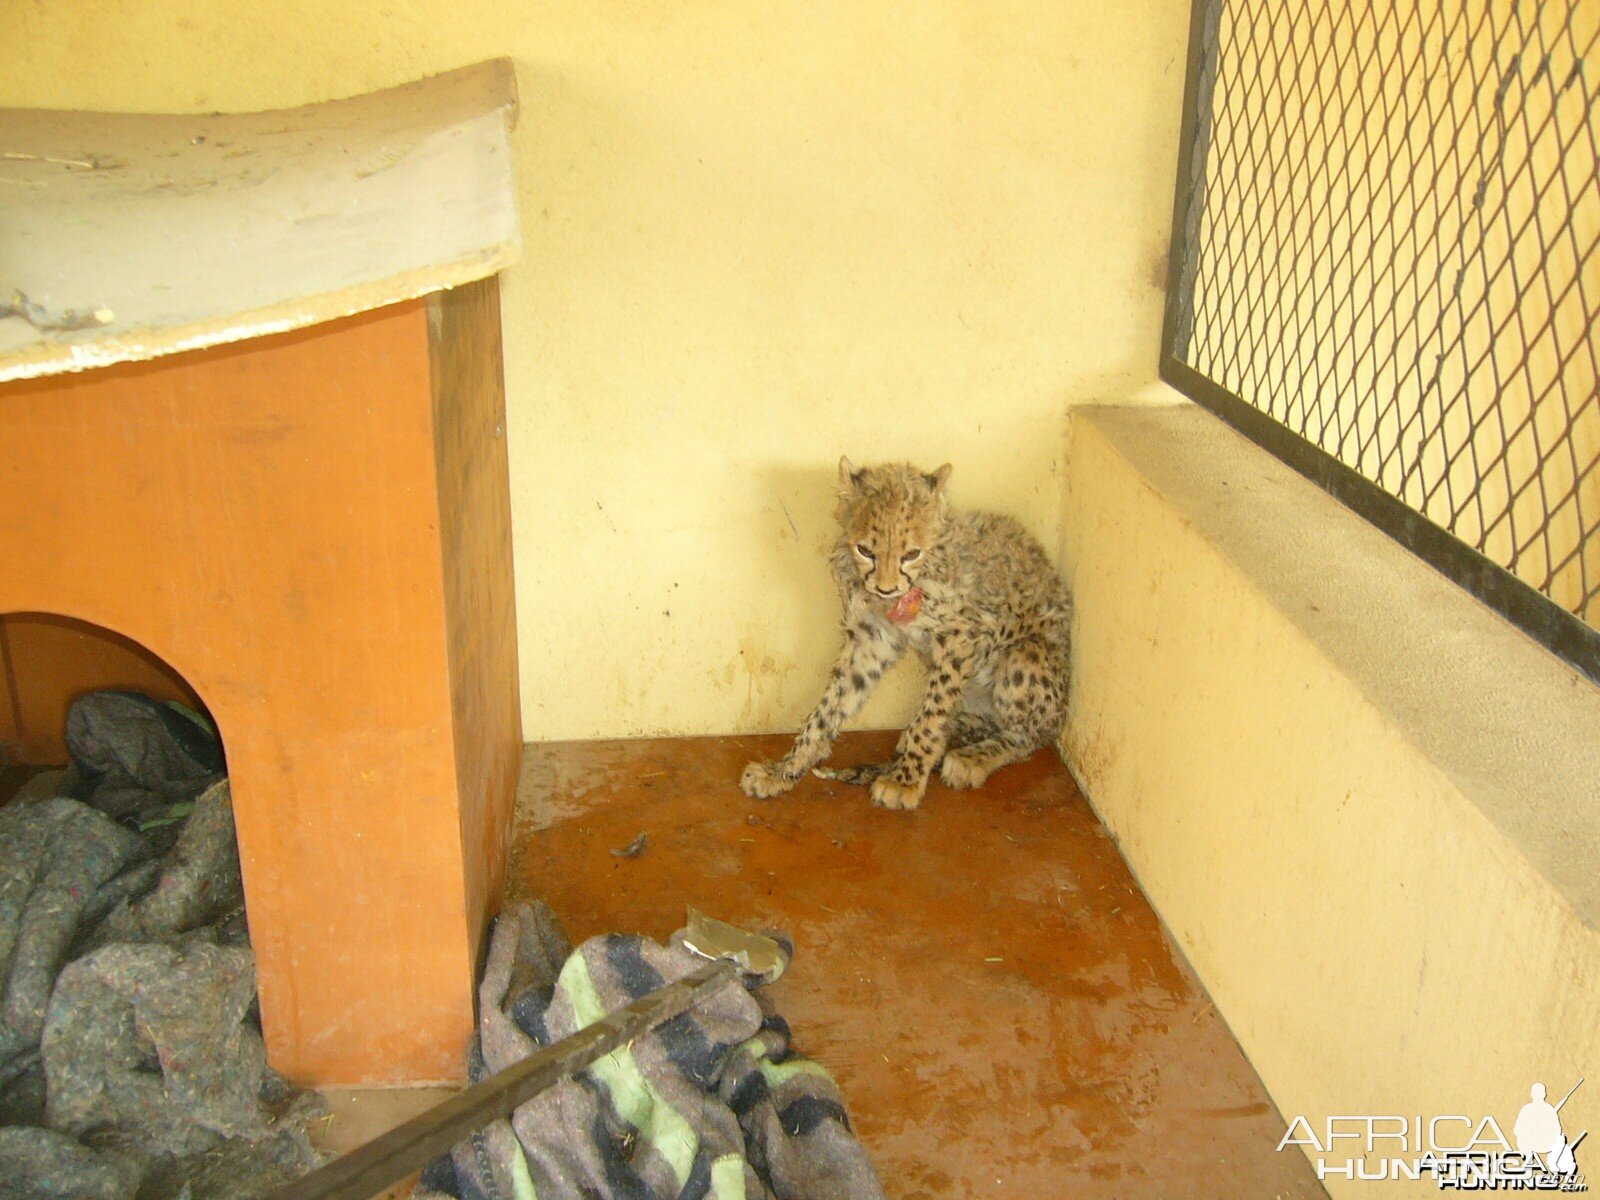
point(131, 1060)
point(634, 848)
point(712, 1103)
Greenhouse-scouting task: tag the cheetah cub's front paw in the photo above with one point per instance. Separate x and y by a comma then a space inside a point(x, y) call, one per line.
point(762, 781)
point(886, 793)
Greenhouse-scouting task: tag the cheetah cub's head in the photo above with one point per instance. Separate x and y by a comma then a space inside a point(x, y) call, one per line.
point(891, 518)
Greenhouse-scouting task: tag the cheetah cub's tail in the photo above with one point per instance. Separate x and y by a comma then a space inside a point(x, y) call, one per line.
point(861, 776)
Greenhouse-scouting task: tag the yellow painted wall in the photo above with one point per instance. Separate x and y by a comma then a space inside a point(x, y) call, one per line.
point(757, 235)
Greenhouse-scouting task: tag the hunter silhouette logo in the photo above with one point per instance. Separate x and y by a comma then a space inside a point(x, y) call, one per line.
point(1456, 1151)
point(1539, 1136)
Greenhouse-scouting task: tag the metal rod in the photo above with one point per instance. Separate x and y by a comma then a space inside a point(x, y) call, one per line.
point(409, 1147)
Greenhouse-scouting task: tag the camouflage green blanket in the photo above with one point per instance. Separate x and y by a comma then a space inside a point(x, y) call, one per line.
point(712, 1105)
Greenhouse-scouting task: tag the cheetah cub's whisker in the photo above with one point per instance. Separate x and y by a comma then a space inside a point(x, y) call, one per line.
point(974, 595)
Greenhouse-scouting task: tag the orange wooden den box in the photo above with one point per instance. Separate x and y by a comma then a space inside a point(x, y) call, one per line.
point(252, 402)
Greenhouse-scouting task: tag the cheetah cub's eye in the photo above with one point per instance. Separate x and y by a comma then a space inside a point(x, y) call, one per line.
point(911, 556)
point(864, 552)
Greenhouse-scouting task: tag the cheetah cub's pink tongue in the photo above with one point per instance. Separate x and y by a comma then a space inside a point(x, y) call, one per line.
point(907, 607)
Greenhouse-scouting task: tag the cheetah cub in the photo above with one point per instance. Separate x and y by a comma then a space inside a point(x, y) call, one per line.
point(974, 595)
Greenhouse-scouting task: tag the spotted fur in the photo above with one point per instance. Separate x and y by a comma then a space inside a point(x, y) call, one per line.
point(993, 627)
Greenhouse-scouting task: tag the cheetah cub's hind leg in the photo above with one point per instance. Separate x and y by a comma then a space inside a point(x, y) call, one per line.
point(978, 747)
point(970, 766)
point(966, 728)
point(1029, 706)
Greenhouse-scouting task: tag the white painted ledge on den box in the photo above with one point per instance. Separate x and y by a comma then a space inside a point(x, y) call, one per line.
point(132, 235)
point(1365, 805)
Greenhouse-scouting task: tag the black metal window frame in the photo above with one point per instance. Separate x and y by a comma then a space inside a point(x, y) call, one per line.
point(1559, 630)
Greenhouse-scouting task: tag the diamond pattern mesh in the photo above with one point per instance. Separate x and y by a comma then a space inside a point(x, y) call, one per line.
point(1390, 248)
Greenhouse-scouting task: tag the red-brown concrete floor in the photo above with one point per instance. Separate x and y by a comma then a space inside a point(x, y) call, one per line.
point(1000, 1004)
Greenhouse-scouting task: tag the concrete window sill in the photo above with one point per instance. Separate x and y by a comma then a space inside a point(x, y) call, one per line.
point(1364, 804)
point(1517, 729)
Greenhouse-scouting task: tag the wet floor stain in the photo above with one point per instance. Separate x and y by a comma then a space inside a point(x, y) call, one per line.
point(999, 1002)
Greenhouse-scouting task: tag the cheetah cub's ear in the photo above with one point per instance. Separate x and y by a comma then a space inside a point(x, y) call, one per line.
point(849, 477)
point(938, 480)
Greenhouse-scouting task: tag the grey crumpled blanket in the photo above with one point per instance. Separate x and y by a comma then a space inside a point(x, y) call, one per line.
point(712, 1104)
point(130, 752)
point(131, 1064)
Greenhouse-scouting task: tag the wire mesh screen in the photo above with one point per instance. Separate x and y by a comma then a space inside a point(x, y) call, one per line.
point(1388, 239)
